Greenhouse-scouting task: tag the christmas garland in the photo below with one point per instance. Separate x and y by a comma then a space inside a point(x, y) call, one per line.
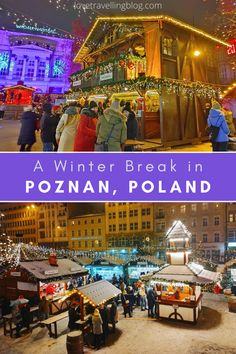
point(185, 88)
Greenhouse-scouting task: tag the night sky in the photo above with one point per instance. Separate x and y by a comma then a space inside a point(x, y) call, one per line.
point(42, 12)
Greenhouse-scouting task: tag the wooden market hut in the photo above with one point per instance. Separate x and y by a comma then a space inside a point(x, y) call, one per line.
point(179, 283)
point(92, 295)
point(106, 267)
point(19, 95)
point(35, 278)
point(170, 64)
point(141, 265)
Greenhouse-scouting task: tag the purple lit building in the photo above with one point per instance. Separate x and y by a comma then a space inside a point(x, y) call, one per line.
point(40, 61)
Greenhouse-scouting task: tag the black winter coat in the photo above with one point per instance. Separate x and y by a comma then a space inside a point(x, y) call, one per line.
point(28, 127)
point(132, 126)
point(48, 127)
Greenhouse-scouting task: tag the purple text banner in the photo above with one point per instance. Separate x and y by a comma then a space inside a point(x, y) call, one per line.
point(127, 177)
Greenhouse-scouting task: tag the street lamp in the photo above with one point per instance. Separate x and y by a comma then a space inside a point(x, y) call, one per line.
point(197, 53)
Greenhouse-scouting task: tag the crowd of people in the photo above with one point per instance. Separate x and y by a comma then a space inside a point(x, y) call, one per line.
point(92, 127)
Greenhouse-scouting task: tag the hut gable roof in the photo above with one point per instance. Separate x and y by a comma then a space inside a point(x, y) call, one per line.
point(99, 292)
point(42, 270)
point(96, 31)
point(178, 230)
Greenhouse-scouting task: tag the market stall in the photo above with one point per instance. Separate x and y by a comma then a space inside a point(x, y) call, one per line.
point(19, 95)
point(178, 284)
point(161, 61)
point(105, 267)
point(34, 279)
point(93, 295)
point(142, 265)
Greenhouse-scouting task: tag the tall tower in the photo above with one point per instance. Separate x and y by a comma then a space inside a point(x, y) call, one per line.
point(178, 244)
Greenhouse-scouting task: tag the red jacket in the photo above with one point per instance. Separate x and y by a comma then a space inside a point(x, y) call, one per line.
point(85, 137)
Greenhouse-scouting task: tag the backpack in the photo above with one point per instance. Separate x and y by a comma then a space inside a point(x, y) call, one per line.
point(214, 132)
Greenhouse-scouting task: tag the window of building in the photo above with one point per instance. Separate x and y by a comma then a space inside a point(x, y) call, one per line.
point(217, 237)
point(19, 72)
point(110, 228)
point(99, 232)
point(92, 221)
point(41, 73)
point(216, 220)
point(231, 217)
point(167, 46)
point(205, 238)
point(113, 227)
point(120, 227)
point(31, 63)
point(99, 220)
point(86, 244)
point(161, 213)
point(204, 222)
point(78, 222)
point(20, 62)
point(183, 209)
point(204, 206)
point(86, 232)
point(85, 222)
point(79, 244)
point(194, 223)
point(92, 232)
point(73, 233)
point(194, 207)
point(79, 233)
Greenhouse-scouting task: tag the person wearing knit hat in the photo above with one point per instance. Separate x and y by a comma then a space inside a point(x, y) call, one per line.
point(97, 328)
point(219, 130)
point(111, 129)
point(85, 137)
point(66, 129)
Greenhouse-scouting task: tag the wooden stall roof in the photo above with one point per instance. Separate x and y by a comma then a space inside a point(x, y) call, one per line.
point(110, 260)
point(42, 270)
point(84, 50)
point(189, 273)
point(99, 292)
point(19, 87)
point(178, 230)
point(151, 259)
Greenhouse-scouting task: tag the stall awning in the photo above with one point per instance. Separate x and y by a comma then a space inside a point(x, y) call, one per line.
point(99, 292)
point(42, 270)
point(189, 273)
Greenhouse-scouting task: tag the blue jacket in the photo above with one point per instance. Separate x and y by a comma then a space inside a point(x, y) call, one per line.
point(217, 118)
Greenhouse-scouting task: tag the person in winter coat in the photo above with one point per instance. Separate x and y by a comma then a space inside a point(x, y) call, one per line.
point(43, 309)
point(57, 113)
point(217, 118)
point(151, 302)
point(85, 137)
point(73, 317)
point(113, 316)
point(104, 316)
point(27, 136)
point(132, 123)
point(112, 127)
point(142, 294)
point(125, 299)
point(66, 129)
point(229, 120)
point(26, 316)
point(97, 328)
point(47, 125)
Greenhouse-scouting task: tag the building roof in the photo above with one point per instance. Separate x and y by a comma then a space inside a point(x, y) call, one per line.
point(189, 273)
point(42, 270)
point(84, 50)
point(99, 292)
point(150, 259)
point(108, 261)
point(19, 87)
point(177, 231)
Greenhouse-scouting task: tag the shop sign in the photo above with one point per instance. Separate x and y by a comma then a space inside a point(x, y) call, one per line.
point(77, 83)
point(107, 76)
point(15, 274)
point(26, 286)
point(104, 263)
point(51, 272)
point(232, 50)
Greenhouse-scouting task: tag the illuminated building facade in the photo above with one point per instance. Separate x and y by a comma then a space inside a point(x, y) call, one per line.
point(52, 225)
point(40, 61)
point(87, 232)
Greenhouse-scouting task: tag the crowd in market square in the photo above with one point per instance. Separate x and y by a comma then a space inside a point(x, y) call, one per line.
point(88, 126)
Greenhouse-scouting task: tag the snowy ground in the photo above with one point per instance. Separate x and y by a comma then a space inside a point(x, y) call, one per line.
point(213, 334)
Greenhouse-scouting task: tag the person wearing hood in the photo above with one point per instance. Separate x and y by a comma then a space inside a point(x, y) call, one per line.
point(66, 129)
point(217, 119)
point(111, 128)
point(85, 137)
point(47, 127)
point(27, 132)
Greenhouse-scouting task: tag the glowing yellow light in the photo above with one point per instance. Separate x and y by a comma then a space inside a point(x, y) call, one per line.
point(197, 53)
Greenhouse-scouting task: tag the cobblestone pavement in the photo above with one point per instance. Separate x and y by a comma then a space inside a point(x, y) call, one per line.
point(213, 334)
